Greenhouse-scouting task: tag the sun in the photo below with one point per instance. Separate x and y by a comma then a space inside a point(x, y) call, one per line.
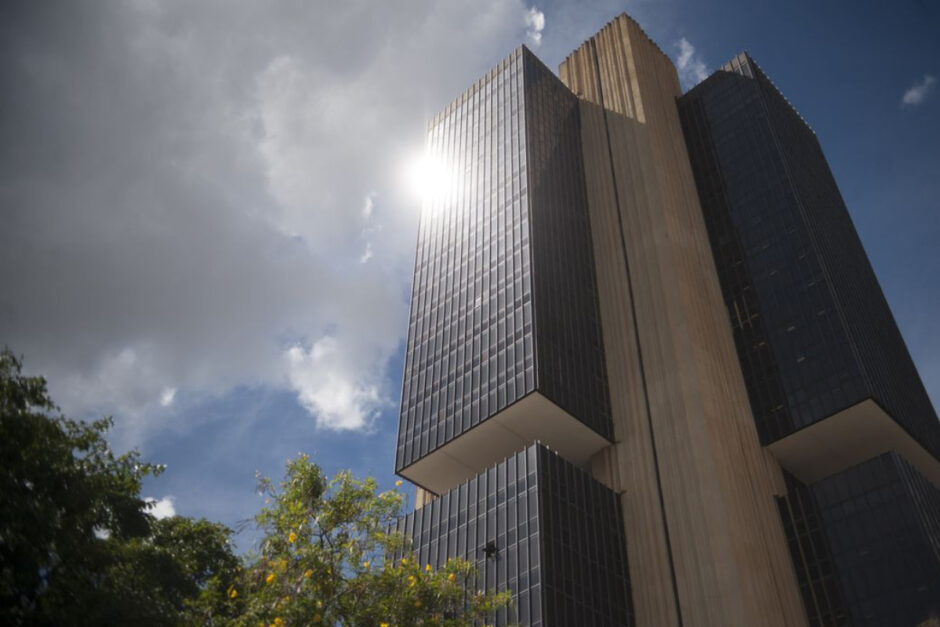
point(429, 178)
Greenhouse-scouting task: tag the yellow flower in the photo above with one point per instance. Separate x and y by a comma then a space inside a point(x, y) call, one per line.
point(292, 537)
point(451, 577)
point(232, 593)
point(365, 564)
point(383, 624)
point(411, 580)
point(428, 568)
point(308, 574)
point(270, 578)
point(398, 483)
point(404, 561)
point(279, 621)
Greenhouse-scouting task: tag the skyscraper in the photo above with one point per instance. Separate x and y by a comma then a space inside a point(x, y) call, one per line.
point(604, 403)
point(836, 397)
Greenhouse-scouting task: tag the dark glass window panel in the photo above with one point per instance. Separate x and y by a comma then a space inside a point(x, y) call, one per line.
point(565, 565)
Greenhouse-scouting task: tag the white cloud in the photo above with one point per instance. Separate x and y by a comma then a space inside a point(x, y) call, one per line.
point(329, 386)
point(535, 24)
point(200, 210)
point(691, 67)
point(919, 91)
point(161, 508)
point(368, 206)
point(167, 396)
point(366, 254)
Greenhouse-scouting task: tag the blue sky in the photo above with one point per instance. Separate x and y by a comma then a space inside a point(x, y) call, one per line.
point(208, 233)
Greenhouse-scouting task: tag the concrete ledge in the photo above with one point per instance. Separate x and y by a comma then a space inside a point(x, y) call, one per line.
point(847, 438)
point(530, 419)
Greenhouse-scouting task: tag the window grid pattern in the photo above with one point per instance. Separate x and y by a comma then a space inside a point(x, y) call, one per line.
point(558, 535)
point(881, 519)
point(882, 354)
point(586, 575)
point(572, 370)
point(795, 355)
point(471, 346)
point(812, 556)
point(504, 297)
point(813, 330)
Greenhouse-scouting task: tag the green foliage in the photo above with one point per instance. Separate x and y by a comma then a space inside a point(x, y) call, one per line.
point(326, 558)
point(77, 544)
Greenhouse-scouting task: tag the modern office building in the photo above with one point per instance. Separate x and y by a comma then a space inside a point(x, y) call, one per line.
point(835, 395)
point(643, 388)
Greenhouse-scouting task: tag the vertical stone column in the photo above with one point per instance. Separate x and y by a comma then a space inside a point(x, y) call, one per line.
point(706, 544)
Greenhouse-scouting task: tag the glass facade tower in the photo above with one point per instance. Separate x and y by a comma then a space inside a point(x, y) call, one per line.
point(504, 340)
point(813, 330)
point(835, 394)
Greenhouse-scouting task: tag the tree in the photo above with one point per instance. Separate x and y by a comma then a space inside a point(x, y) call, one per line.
point(79, 547)
point(330, 556)
point(77, 544)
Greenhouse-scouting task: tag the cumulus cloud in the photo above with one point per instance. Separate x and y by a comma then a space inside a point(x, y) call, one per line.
point(691, 67)
point(161, 508)
point(330, 386)
point(535, 24)
point(919, 91)
point(183, 193)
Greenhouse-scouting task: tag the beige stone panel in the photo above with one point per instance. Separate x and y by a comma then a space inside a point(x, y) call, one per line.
point(423, 497)
point(731, 563)
point(628, 467)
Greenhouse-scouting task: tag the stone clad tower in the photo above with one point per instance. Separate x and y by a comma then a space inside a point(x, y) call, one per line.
point(706, 543)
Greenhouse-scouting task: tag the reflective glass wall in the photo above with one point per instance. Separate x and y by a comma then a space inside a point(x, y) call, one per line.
point(813, 330)
point(555, 536)
point(471, 345)
point(504, 299)
point(882, 520)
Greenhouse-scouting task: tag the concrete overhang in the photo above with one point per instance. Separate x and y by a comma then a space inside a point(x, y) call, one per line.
point(532, 418)
point(849, 437)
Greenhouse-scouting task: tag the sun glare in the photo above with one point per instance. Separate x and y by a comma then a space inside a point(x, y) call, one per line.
point(428, 178)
